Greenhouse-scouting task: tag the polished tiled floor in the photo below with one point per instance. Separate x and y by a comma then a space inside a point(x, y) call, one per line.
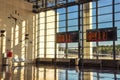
point(32, 72)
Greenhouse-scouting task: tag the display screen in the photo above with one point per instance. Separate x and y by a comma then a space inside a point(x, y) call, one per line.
point(103, 34)
point(67, 37)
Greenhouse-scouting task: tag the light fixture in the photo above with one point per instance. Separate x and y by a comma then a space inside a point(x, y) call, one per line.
point(26, 36)
point(2, 33)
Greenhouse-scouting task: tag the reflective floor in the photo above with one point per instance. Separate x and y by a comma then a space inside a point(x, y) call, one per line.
point(32, 72)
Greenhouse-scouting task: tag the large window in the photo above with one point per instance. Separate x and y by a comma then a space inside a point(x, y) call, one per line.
point(79, 17)
point(105, 15)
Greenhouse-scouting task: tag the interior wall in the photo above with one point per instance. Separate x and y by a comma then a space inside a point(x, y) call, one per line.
point(17, 19)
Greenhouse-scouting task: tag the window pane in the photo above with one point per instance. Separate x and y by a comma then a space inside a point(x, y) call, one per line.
point(105, 25)
point(117, 1)
point(51, 38)
point(72, 22)
point(74, 28)
point(73, 15)
point(50, 25)
point(105, 18)
point(117, 8)
point(72, 8)
point(61, 29)
point(60, 50)
point(62, 23)
point(61, 17)
point(61, 10)
point(117, 16)
point(104, 2)
point(50, 31)
point(105, 10)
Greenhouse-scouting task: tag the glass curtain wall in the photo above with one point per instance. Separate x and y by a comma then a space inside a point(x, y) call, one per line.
point(79, 17)
point(61, 27)
point(41, 35)
point(105, 14)
point(50, 34)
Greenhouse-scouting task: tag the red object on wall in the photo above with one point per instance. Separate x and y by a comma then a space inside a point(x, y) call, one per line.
point(9, 54)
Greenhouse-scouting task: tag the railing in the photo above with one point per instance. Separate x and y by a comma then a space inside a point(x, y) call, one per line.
point(95, 62)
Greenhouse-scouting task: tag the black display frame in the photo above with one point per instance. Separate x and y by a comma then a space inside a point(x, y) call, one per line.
point(101, 34)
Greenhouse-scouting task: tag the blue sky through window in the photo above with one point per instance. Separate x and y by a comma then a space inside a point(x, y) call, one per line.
point(105, 18)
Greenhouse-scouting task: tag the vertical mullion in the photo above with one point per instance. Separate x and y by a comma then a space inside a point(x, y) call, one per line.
point(55, 32)
point(66, 52)
point(55, 73)
point(113, 20)
point(45, 36)
point(66, 29)
point(79, 32)
point(97, 44)
point(45, 3)
point(66, 71)
point(82, 26)
point(38, 35)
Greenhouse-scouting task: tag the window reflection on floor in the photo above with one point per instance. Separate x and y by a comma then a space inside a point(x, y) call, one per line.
point(31, 72)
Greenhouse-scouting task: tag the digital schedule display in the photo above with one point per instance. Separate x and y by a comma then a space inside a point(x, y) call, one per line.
point(67, 37)
point(103, 34)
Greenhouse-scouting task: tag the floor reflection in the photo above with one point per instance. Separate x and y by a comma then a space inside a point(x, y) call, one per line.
point(31, 72)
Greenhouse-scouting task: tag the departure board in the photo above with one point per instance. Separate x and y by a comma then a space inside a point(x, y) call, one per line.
point(67, 37)
point(103, 34)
